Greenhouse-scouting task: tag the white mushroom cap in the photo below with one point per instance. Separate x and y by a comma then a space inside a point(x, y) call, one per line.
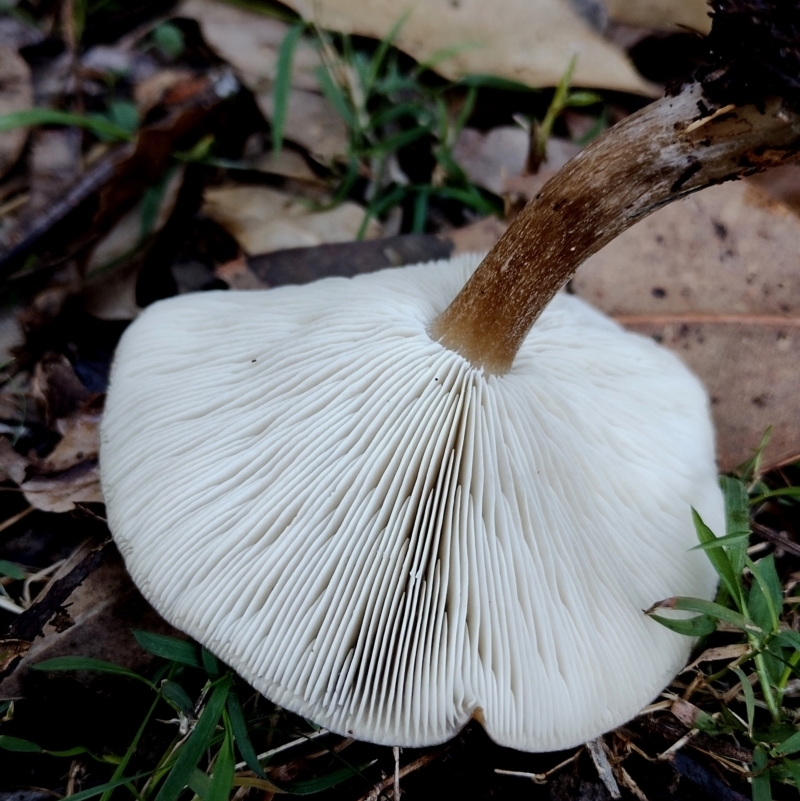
point(386, 540)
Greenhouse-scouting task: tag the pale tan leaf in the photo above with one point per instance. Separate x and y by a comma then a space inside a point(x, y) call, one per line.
point(287, 163)
point(722, 652)
point(12, 464)
point(661, 13)
point(477, 237)
point(311, 121)
point(250, 42)
point(530, 41)
point(262, 219)
point(489, 158)
point(714, 277)
point(497, 159)
point(16, 94)
point(686, 712)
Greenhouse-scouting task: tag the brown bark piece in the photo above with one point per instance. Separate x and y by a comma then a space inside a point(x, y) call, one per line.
point(715, 278)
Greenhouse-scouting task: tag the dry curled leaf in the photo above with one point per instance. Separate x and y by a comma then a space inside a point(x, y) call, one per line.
point(714, 277)
point(80, 438)
point(529, 41)
point(16, 94)
point(263, 219)
point(61, 492)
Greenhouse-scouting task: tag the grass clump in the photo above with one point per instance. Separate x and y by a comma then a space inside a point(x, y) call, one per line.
point(753, 698)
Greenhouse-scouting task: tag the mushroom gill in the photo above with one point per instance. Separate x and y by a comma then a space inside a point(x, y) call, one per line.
point(382, 537)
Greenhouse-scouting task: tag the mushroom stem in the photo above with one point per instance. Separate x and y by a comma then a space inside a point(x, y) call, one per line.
point(667, 150)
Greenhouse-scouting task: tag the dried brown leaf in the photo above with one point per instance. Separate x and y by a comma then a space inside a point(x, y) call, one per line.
point(16, 94)
point(722, 652)
point(89, 609)
point(530, 41)
point(56, 388)
point(62, 491)
point(714, 277)
point(80, 439)
point(262, 219)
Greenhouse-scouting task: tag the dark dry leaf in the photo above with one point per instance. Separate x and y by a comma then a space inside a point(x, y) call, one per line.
point(94, 590)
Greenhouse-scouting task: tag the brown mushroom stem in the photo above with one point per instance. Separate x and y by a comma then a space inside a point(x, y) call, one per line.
point(669, 149)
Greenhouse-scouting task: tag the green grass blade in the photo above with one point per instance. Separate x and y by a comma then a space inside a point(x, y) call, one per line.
point(494, 82)
point(398, 141)
point(193, 749)
point(557, 105)
point(438, 56)
point(17, 744)
point(791, 745)
point(420, 212)
point(761, 784)
point(721, 542)
point(66, 663)
point(283, 85)
point(336, 97)
point(210, 663)
point(713, 610)
point(582, 98)
point(177, 697)
point(11, 570)
point(793, 769)
point(751, 469)
point(376, 63)
point(108, 787)
point(51, 116)
point(699, 626)
point(199, 783)
point(311, 786)
point(470, 197)
point(720, 560)
point(241, 735)
point(392, 113)
point(183, 651)
point(749, 698)
point(132, 746)
point(224, 769)
point(379, 206)
point(766, 596)
point(783, 492)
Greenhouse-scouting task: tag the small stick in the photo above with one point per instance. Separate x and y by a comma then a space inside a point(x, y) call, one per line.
point(376, 791)
point(396, 753)
point(540, 778)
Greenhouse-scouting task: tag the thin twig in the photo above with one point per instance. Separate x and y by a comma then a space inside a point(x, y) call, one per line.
point(412, 767)
point(540, 778)
point(286, 746)
point(16, 518)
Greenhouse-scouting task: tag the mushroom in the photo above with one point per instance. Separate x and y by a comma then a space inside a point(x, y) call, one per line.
point(393, 506)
